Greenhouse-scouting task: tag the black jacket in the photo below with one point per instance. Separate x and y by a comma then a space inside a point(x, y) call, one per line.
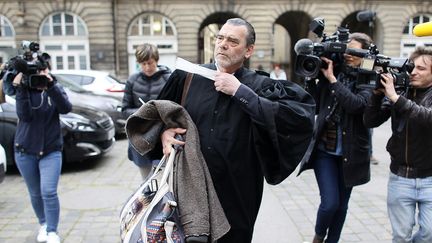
point(141, 86)
point(355, 136)
point(264, 129)
point(411, 140)
point(39, 131)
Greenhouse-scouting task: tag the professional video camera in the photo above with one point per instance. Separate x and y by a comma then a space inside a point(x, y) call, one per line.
point(374, 64)
point(308, 62)
point(29, 64)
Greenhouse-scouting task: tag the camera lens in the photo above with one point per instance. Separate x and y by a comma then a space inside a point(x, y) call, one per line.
point(309, 65)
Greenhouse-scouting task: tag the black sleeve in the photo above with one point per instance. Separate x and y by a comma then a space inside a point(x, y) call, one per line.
point(288, 112)
point(128, 106)
point(352, 103)
point(375, 113)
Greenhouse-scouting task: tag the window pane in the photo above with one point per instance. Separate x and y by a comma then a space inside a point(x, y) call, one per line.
point(69, 30)
point(57, 30)
point(81, 28)
point(416, 20)
point(146, 19)
point(7, 31)
point(53, 48)
point(56, 19)
point(425, 19)
point(406, 30)
point(168, 28)
point(59, 61)
point(83, 62)
point(134, 29)
point(76, 47)
point(68, 18)
point(71, 62)
point(146, 30)
point(45, 28)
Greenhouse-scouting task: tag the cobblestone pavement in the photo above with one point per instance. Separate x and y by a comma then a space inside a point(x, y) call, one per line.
point(92, 193)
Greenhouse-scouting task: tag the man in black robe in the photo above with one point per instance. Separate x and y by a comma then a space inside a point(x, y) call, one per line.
point(250, 126)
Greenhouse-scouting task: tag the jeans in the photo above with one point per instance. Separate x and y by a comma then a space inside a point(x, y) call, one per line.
point(334, 196)
point(41, 175)
point(404, 195)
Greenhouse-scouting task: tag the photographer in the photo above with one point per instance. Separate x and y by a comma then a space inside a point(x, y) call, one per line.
point(410, 180)
point(38, 147)
point(339, 152)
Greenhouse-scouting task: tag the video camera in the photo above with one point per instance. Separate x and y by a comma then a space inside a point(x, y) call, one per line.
point(29, 64)
point(374, 64)
point(308, 62)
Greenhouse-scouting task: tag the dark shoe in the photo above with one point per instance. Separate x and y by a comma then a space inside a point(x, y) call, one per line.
point(318, 239)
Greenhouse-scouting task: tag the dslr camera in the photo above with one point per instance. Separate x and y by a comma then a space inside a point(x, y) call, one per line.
point(30, 63)
point(308, 62)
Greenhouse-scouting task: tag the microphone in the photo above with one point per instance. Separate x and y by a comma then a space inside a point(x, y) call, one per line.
point(424, 29)
point(365, 16)
point(303, 47)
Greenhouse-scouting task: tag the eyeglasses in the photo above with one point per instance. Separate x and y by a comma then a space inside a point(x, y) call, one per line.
point(231, 41)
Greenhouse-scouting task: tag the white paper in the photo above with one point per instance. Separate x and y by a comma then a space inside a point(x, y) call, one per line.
point(187, 66)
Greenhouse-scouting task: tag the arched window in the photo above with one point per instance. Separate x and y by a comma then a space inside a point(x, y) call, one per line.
point(155, 29)
point(65, 37)
point(409, 42)
point(7, 39)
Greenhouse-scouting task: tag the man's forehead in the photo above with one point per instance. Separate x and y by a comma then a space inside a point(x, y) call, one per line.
point(237, 31)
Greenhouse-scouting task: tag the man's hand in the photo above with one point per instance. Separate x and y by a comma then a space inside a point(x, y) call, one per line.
point(168, 139)
point(328, 73)
point(387, 81)
point(226, 83)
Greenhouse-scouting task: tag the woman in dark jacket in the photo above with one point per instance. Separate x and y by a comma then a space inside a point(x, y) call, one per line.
point(339, 152)
point(38, 149)
point(142, 87)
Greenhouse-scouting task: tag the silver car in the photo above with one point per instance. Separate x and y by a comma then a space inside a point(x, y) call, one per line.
point(96, 81)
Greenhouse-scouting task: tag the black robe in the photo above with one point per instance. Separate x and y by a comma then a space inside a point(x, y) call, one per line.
point(248, 137)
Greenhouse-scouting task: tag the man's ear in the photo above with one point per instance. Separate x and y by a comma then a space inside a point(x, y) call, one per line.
point(249, 51)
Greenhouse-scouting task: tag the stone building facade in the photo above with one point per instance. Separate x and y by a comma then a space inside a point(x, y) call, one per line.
point(105, 32)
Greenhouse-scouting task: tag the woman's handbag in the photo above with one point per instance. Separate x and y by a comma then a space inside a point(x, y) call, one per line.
point(150, 214)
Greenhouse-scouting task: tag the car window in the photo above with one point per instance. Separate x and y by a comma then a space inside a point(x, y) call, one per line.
point(70, 84)
point(116, 80)
point(79, 79)
point(75, 78)
point(87, 80)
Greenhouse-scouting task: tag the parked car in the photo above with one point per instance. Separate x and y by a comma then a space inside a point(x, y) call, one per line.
point(96, 81)
point(87, 132)
point(84, 98)
point(2, 164)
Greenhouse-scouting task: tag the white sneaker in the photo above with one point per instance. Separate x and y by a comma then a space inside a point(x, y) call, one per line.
point(42, 235)
point(53, 238)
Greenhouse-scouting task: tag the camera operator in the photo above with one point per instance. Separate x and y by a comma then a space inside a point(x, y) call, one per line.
point(410, 180)
point(38, 147)
point(339, 152)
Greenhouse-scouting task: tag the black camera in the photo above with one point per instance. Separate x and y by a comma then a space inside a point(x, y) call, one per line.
point(30, 63)
point(374, 64)
point(308, 62)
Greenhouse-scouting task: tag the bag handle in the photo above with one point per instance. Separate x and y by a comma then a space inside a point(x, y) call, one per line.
point(186, 86)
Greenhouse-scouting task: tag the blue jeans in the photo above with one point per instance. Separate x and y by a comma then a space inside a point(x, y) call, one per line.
point(404, 195)
point(334, 196)
point(41, 175)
